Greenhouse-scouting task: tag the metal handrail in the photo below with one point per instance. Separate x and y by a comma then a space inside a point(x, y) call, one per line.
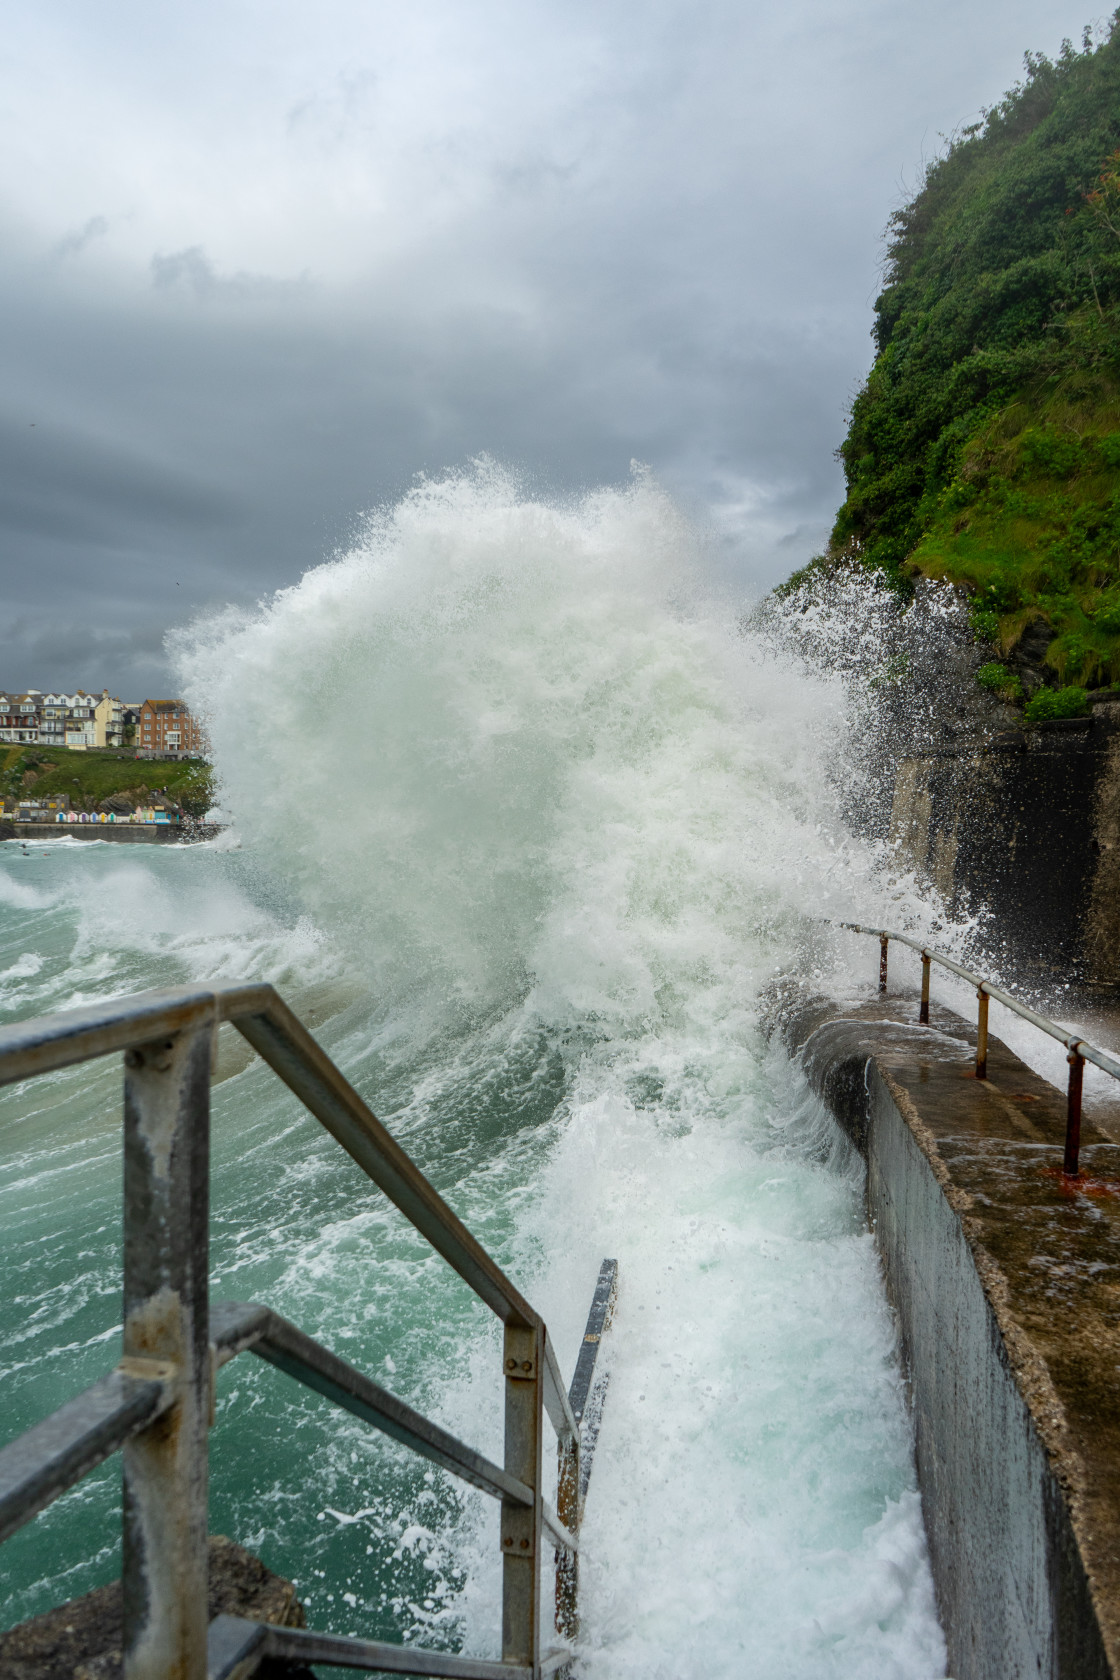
point(263, 1018)
point(157, 1404)
point(1079, 1048)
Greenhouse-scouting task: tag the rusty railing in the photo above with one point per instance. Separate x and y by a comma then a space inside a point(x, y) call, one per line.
point(157, 1405)
point(1079, 1049)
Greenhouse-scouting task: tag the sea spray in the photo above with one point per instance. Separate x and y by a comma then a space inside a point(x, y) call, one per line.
point(555, 819)
point(502, 745)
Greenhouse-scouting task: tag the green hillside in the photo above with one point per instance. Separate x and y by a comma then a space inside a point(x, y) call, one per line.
point(91, 777)
point(984, 447)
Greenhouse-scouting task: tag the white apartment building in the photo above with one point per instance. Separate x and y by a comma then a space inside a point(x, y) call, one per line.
point(19, 717)
point(78, 721)
point(67, 720)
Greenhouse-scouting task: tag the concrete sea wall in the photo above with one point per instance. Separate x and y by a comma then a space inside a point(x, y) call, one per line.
point(137, 833)
point(1006, 1286)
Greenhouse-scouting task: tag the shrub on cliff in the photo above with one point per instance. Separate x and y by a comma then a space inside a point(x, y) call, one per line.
point(1051, 703)
point(1000, 681)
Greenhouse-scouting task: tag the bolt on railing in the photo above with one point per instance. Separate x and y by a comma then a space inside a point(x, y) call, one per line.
point(158, 1403)
point(1079, 1049)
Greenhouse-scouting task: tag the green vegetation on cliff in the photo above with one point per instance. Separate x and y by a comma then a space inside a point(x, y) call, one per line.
point(89, 778)
point(984, 447)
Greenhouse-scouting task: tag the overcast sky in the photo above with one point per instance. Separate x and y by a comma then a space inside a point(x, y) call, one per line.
point(262, 263)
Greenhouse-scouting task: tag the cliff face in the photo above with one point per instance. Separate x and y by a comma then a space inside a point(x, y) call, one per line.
point(984, 447)
point(983, 493)
point(1027, 827)
point(1017, 827)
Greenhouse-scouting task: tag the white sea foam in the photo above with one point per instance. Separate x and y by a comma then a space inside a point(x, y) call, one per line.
point(533, 781)
point(29, 963)
point(749, 1512)
point(87, 920)
point(497, 734)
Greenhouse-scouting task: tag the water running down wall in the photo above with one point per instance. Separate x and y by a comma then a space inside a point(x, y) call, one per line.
point(583, 813)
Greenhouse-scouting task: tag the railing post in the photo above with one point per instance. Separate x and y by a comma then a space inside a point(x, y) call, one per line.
point(166, 1327)
point(521, 1528)
point(1073, 1113)
point(883, 943)
point(568, 1510)
point(923, 1012)
point(982, 1034)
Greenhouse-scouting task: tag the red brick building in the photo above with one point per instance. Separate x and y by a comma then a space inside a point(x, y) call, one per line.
point(167, 726)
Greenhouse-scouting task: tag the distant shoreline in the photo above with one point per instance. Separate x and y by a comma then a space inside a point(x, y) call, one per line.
point(137, 833)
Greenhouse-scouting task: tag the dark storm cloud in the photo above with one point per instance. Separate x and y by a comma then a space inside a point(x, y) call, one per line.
point(86, 655)
point(255, 283)
point(66, 485)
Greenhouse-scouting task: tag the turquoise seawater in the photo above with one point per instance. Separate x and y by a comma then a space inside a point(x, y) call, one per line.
point(521, 827)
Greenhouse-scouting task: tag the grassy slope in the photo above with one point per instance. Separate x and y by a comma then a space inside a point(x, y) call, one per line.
point(90, 777)
point(985, 446)
point(1031, 525)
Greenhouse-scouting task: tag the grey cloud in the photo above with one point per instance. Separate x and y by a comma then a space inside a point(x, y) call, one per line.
point(331, 116)
point(74, 243)
point(530, 174)
point(81, 658)
point(193, 269)
point(57, 481)
point(802, 540)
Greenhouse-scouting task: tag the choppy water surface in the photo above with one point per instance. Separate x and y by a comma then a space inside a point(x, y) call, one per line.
point(525, 827)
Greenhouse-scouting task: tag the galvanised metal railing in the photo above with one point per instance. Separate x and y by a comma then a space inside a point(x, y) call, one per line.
point(1080, 1050)
point(158, 1404)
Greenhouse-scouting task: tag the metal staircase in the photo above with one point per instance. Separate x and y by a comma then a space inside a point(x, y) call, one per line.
point(157, 1406)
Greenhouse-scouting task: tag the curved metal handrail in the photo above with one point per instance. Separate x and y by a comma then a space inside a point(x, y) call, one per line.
point(1080, 1050)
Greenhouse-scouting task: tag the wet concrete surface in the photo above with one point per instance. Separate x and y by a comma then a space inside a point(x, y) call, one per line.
point(1046, 1252)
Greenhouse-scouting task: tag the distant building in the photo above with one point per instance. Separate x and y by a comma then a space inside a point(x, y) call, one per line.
point(166, 726)
point(52, 719)
point(108, 718)
point(20, 717)
point(78, 720)
point(68, 721)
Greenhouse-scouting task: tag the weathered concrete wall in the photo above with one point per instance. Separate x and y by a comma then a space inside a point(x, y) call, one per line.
point(981, 1466)
point(1005, 1283)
